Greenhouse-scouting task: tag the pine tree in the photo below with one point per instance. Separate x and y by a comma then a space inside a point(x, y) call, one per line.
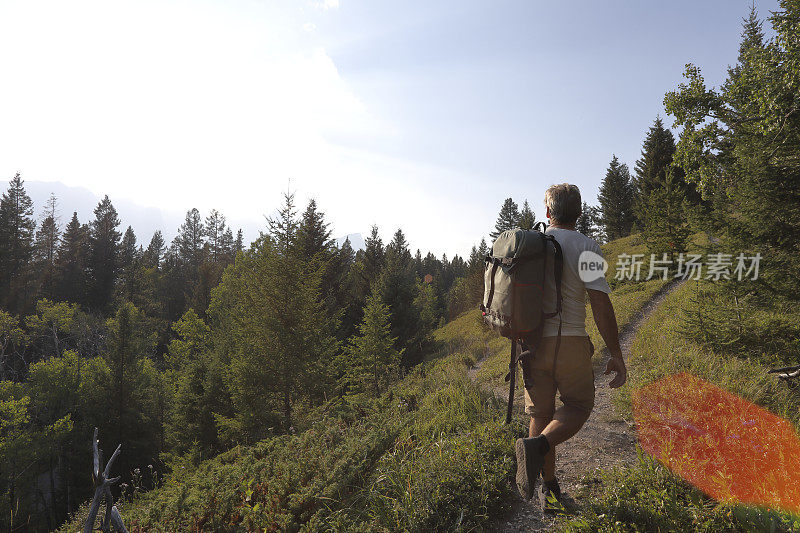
point(588, 222)
point(238, 246)
point(17, 228)
point(283, 228)
point(47, 240)
point(103, 263)
point(127, 251)
point(343, 267)
point(215, 231)
point(190, 242)
point(191, 419)
point(665, 229)
point(71, 263)
point(155, 251)
point(313, 235)
point(130, 387)
point(228, 246)
point(742, 157)
point(277, 358)
point(371, 360)
point(752, 40)
point(368, 266)
point(128, 265)
point(399, 247)
point(527, 218)
point(374, 255)
point(419, 267)
point(397, 286)
point(657, 151)
point(616, 200)
point(507, 219)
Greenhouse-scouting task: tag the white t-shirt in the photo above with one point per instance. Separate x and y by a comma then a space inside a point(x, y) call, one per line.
point(573, 288)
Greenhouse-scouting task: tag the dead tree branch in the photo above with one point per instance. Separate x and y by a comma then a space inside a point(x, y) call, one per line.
point(102, 491)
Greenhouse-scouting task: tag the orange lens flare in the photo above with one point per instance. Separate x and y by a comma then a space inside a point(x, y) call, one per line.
point(729, 448)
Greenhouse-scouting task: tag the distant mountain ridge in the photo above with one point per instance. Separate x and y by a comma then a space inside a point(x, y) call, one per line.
point(356, 241)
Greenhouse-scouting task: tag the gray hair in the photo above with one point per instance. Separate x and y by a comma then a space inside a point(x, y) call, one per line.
point(564, 202)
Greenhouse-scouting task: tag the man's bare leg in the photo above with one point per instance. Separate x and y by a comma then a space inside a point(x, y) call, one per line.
point(566, 422)
point(536, 427)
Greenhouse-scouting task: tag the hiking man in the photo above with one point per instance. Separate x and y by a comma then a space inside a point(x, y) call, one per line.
point(571, 372)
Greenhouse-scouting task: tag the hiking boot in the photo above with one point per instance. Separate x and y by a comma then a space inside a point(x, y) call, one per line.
point(530, 460)
point(547, 492)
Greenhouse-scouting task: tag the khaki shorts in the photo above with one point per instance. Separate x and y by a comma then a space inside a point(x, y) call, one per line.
point(573, 376)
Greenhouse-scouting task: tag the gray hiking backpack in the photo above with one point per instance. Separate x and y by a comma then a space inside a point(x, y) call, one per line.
point(515, 276)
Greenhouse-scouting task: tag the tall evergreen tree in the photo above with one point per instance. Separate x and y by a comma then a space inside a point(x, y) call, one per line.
point(652, 167)
point(47, 240)
point(616, 200)
point(283, 228)
point(316, 250)
point(343, 273)
point(103, 264)
point(228, 246)
point(665, 228)
point(507, 219)
point(130, 387)
point(155, 251)
point(371, 360)
point(397, 286)
point(526, 217)
point(399, 247)
point(657, 151)
point(128, 265)
point(313, 235)
point(368, 266)
point(215, 229)
point(585, 223)
point(190, 242)
point(374, 254)
point(276, 358)
point(192, 403)
point(739, 144)
point(238, 245)
point(17, 228)
point(72, 262)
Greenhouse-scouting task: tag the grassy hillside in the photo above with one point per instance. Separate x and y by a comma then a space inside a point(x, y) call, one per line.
point(649, 498)
point(432, 454)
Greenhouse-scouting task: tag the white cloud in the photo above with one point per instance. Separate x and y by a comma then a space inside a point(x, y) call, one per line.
point(309, 26)
point(165, 104)
point(179, 107)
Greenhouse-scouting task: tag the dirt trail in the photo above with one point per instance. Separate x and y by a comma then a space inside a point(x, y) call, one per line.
point(604, 441)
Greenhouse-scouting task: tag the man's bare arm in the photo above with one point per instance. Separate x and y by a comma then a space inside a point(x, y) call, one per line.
point(603, 313)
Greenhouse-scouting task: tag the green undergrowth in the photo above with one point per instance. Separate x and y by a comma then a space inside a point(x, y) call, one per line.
point(648, 497)
point(430, 455)
point(663, 347)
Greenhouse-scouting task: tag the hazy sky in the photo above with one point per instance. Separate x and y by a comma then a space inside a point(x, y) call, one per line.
point(417, 114)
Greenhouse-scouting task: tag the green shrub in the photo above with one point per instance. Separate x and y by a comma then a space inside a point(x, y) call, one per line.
point(649, 498)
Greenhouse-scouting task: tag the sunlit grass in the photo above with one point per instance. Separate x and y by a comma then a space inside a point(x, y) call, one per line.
point(649, 498)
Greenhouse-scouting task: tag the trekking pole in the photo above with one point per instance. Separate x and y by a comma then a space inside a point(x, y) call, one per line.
point(512, 377)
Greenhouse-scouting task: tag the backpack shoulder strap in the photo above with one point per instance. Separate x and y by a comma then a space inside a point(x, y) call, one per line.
point(558, 270)
point(495, 264)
